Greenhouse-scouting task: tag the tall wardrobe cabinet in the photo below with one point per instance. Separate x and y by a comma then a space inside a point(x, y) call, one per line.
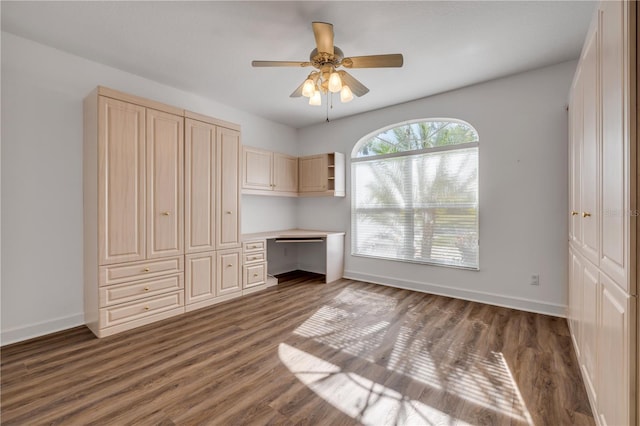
point(212, 204)
point(156, 190)
point(603, 233)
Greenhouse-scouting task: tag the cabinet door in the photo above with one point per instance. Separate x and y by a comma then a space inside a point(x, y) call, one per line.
point(576, 113)
point(614, 254)
point(228, 188)
point(313, 173)
point(589, 188)
point(617, 356)
point(589, 334)
point(121, 182)
point(199, 186)
point(165, 163)
point(285, 173)
point(229, 273)
point(200, 277)
point(257, 169)
point(575, 299)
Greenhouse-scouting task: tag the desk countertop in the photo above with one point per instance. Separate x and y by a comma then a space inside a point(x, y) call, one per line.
point(289, 233)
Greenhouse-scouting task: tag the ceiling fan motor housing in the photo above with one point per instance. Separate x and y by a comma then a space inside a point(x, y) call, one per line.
point(320, 59)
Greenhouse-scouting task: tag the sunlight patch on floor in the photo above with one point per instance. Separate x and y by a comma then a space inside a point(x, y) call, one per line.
point(358, 397)
point(485, 381)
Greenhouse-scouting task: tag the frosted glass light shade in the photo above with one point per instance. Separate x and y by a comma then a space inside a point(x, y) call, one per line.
point(315, 99)
point(335, 82)
point(308, 88)
point(345, 94)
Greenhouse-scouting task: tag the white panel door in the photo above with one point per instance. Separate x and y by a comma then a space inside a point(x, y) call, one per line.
point(589, 334)
point(589, 187)
point(614, 255)
point(200, 277)
point(228, 188)
point(229, 272)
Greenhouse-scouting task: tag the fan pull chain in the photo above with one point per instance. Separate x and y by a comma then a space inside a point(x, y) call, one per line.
point(328, 105)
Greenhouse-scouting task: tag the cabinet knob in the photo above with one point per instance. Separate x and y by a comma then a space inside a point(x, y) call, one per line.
point(586, 214)
point(228, 212)
point(229, 265)
point(574, 213)
point(255, 275)
point(146, 269)
point(165, 213)
point(146, 289)
point(146, 308)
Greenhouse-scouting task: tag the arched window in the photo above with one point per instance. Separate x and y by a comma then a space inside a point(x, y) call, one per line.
point(415, 193)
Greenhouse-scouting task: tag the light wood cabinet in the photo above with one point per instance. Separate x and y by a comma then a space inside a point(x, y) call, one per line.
point(165, 162)
point(254, 260)
point(269, 173)
point(133, 211)
point(285, 173)
point(603, 241)
point(212, 211)
point(228, 188)
point(229, 272)
point(200, 186)
point(322, 175)
point(121, 159)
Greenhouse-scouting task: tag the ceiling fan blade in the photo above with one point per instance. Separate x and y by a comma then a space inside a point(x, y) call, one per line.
point(279, 64)
point(298, 92)
point(374, 61)
point(356, 87)
point(323, 33)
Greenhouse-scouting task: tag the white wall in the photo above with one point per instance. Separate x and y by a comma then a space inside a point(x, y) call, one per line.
point(522, 124)
point(41, 178)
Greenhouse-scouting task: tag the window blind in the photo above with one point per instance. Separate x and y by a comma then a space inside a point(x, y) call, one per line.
point(418, 207)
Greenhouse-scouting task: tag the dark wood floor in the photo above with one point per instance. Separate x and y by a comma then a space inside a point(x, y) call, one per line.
point(306, 353)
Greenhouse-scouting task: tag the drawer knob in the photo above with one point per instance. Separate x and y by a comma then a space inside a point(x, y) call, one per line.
point(228, 211)
point(574, 213)
point(146, 269)
point(165, 213)
point(255, 275)
point(146, 308)
point(229, 265)
point(586, 214)
point(146, 289)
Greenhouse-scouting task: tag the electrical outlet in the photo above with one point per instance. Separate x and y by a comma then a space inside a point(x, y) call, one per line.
point(535, 279)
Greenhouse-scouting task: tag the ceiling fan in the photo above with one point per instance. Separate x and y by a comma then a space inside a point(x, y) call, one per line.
point(327, 58)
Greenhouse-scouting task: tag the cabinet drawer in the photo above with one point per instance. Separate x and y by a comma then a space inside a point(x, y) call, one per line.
point(116, 274)
point(254, 257)
point(140, 309)
point(255, 245)
point(255, 275)
point(129, 292)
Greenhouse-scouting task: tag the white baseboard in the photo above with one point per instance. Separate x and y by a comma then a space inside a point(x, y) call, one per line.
point(19, 334)
point(522, 304)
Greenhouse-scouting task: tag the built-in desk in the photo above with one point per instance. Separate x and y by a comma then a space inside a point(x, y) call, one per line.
point(333, 246)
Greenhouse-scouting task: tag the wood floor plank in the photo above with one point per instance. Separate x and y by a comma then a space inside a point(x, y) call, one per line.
point(301, 353)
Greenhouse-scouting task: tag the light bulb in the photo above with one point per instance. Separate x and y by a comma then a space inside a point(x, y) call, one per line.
point(315, 99)
point(345, 94)
point(308, 88)
point(335, 83)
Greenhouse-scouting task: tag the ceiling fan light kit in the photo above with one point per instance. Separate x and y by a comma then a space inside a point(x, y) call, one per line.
point(327, 58)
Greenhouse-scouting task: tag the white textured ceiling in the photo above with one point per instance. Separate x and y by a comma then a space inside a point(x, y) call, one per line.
point(207, 47)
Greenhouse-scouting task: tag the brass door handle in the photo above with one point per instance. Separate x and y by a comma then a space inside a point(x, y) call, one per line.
point(146, 269)
point(146, 289)
point(574, 213)
point(228, 211)
point(165, 213)
point(229, 265)
point(585, 214)
point(146, 308)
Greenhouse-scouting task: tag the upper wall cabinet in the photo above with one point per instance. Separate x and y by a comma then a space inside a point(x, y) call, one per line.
point(269, 173)
point(272, 173)
point(322, 175)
